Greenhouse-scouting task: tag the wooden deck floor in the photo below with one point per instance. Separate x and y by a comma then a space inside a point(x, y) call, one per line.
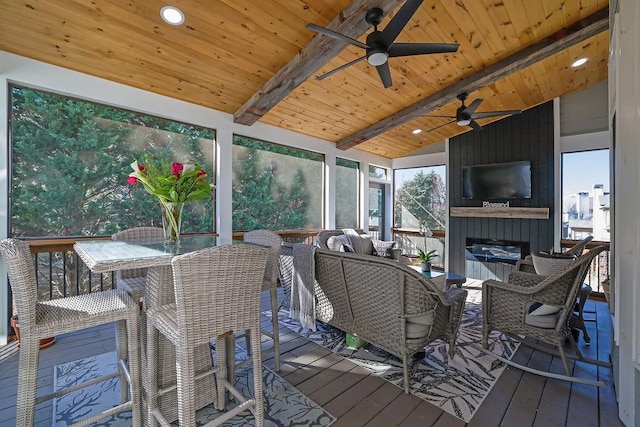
point(357, 398)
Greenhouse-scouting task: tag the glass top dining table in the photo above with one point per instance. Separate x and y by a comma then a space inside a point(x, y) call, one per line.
point(108, 255)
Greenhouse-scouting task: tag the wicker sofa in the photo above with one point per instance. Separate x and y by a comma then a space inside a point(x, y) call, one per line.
point(323, 241)
point(383, 302)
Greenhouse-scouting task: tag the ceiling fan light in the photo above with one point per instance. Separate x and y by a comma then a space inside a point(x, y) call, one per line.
point(377, 58)
point(416, 131)
point(464, 122)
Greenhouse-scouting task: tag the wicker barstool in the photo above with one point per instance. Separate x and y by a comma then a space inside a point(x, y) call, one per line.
point(133, 281)
point(270, 283)
point(49, 318)
point(217, 294)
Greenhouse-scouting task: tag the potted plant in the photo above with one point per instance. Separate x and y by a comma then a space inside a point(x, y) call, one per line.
point(44, 342)
point(426, 258)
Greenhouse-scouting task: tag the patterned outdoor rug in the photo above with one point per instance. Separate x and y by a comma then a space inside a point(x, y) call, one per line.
point(284, 405)
point(458, 386)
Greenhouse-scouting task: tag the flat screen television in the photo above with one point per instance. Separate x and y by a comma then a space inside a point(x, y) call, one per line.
point(497, 181)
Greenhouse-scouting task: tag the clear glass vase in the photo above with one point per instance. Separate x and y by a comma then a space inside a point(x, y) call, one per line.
point(171, 223)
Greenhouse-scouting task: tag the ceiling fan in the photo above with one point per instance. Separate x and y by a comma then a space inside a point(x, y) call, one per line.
point(466, 115)
point(380, 44)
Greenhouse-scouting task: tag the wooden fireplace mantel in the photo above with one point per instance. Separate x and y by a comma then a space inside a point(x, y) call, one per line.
point(511, 212)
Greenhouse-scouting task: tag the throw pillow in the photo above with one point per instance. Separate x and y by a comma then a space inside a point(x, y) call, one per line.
point(547, 264)
point(339, 243)
point(361, 243)
point(539, 309)
point(383, 248)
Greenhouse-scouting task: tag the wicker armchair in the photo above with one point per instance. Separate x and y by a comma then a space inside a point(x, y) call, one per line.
point(229, 303)
point(576, 319)
point(48, 318)
point(270, 283)
point(133, 281)
point(506, 306)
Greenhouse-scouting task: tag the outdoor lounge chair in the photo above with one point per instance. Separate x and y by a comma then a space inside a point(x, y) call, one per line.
point(507, 307)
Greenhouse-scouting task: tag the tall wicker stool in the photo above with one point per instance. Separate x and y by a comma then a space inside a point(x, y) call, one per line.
point(133, 281)
point(270, 283)
point(286, 274)
point(217, 293)
point(48, 318)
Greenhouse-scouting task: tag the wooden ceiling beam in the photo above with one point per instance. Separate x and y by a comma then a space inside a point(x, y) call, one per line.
point(318, 52)
point(577, 33)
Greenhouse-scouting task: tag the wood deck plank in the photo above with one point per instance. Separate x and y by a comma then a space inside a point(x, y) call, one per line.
point(425, 414)
point(525, 400)
point(357, 397)
point(497, 401)
point(370, 406)
point(353, 396)
point(396, 411)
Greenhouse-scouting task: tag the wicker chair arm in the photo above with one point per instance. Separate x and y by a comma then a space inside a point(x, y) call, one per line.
point(508, 286)
point(453, 295)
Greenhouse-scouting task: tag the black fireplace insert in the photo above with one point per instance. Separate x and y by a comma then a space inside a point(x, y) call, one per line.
point(492, 250)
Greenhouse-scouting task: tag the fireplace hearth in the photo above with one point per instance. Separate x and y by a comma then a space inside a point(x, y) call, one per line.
point(495, 251)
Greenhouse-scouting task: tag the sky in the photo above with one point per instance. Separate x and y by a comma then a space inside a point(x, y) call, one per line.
point(580, 171)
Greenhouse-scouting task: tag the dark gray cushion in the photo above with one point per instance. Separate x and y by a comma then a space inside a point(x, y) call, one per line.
point(383, 248)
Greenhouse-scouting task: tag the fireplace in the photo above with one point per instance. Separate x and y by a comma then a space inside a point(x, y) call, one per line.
point(496, 251)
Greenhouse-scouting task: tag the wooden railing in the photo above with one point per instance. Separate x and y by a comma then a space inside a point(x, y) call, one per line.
point(410, 240)
point(60, 272)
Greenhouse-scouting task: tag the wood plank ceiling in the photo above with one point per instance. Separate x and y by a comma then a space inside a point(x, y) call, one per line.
point(227, 50)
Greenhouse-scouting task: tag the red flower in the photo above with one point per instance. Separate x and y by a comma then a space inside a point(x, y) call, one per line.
point(201, 175)
point(176, 169)
point(132, 180)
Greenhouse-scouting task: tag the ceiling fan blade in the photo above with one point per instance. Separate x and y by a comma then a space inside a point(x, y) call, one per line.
point(442, 125)
point(472, 107)
point(407, 49)
point(342, 67)
point(475, 125)
point(494, 114)
point(333, 34)
point(398, 22)
point(385, 74)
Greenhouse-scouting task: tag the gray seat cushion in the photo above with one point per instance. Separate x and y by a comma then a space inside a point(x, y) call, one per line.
point(548, 321)
point(419, 326)
point(361, 243)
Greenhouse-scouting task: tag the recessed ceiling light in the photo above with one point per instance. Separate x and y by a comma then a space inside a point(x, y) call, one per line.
point(416, 131)
point(579, 62)
point(172, 15)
